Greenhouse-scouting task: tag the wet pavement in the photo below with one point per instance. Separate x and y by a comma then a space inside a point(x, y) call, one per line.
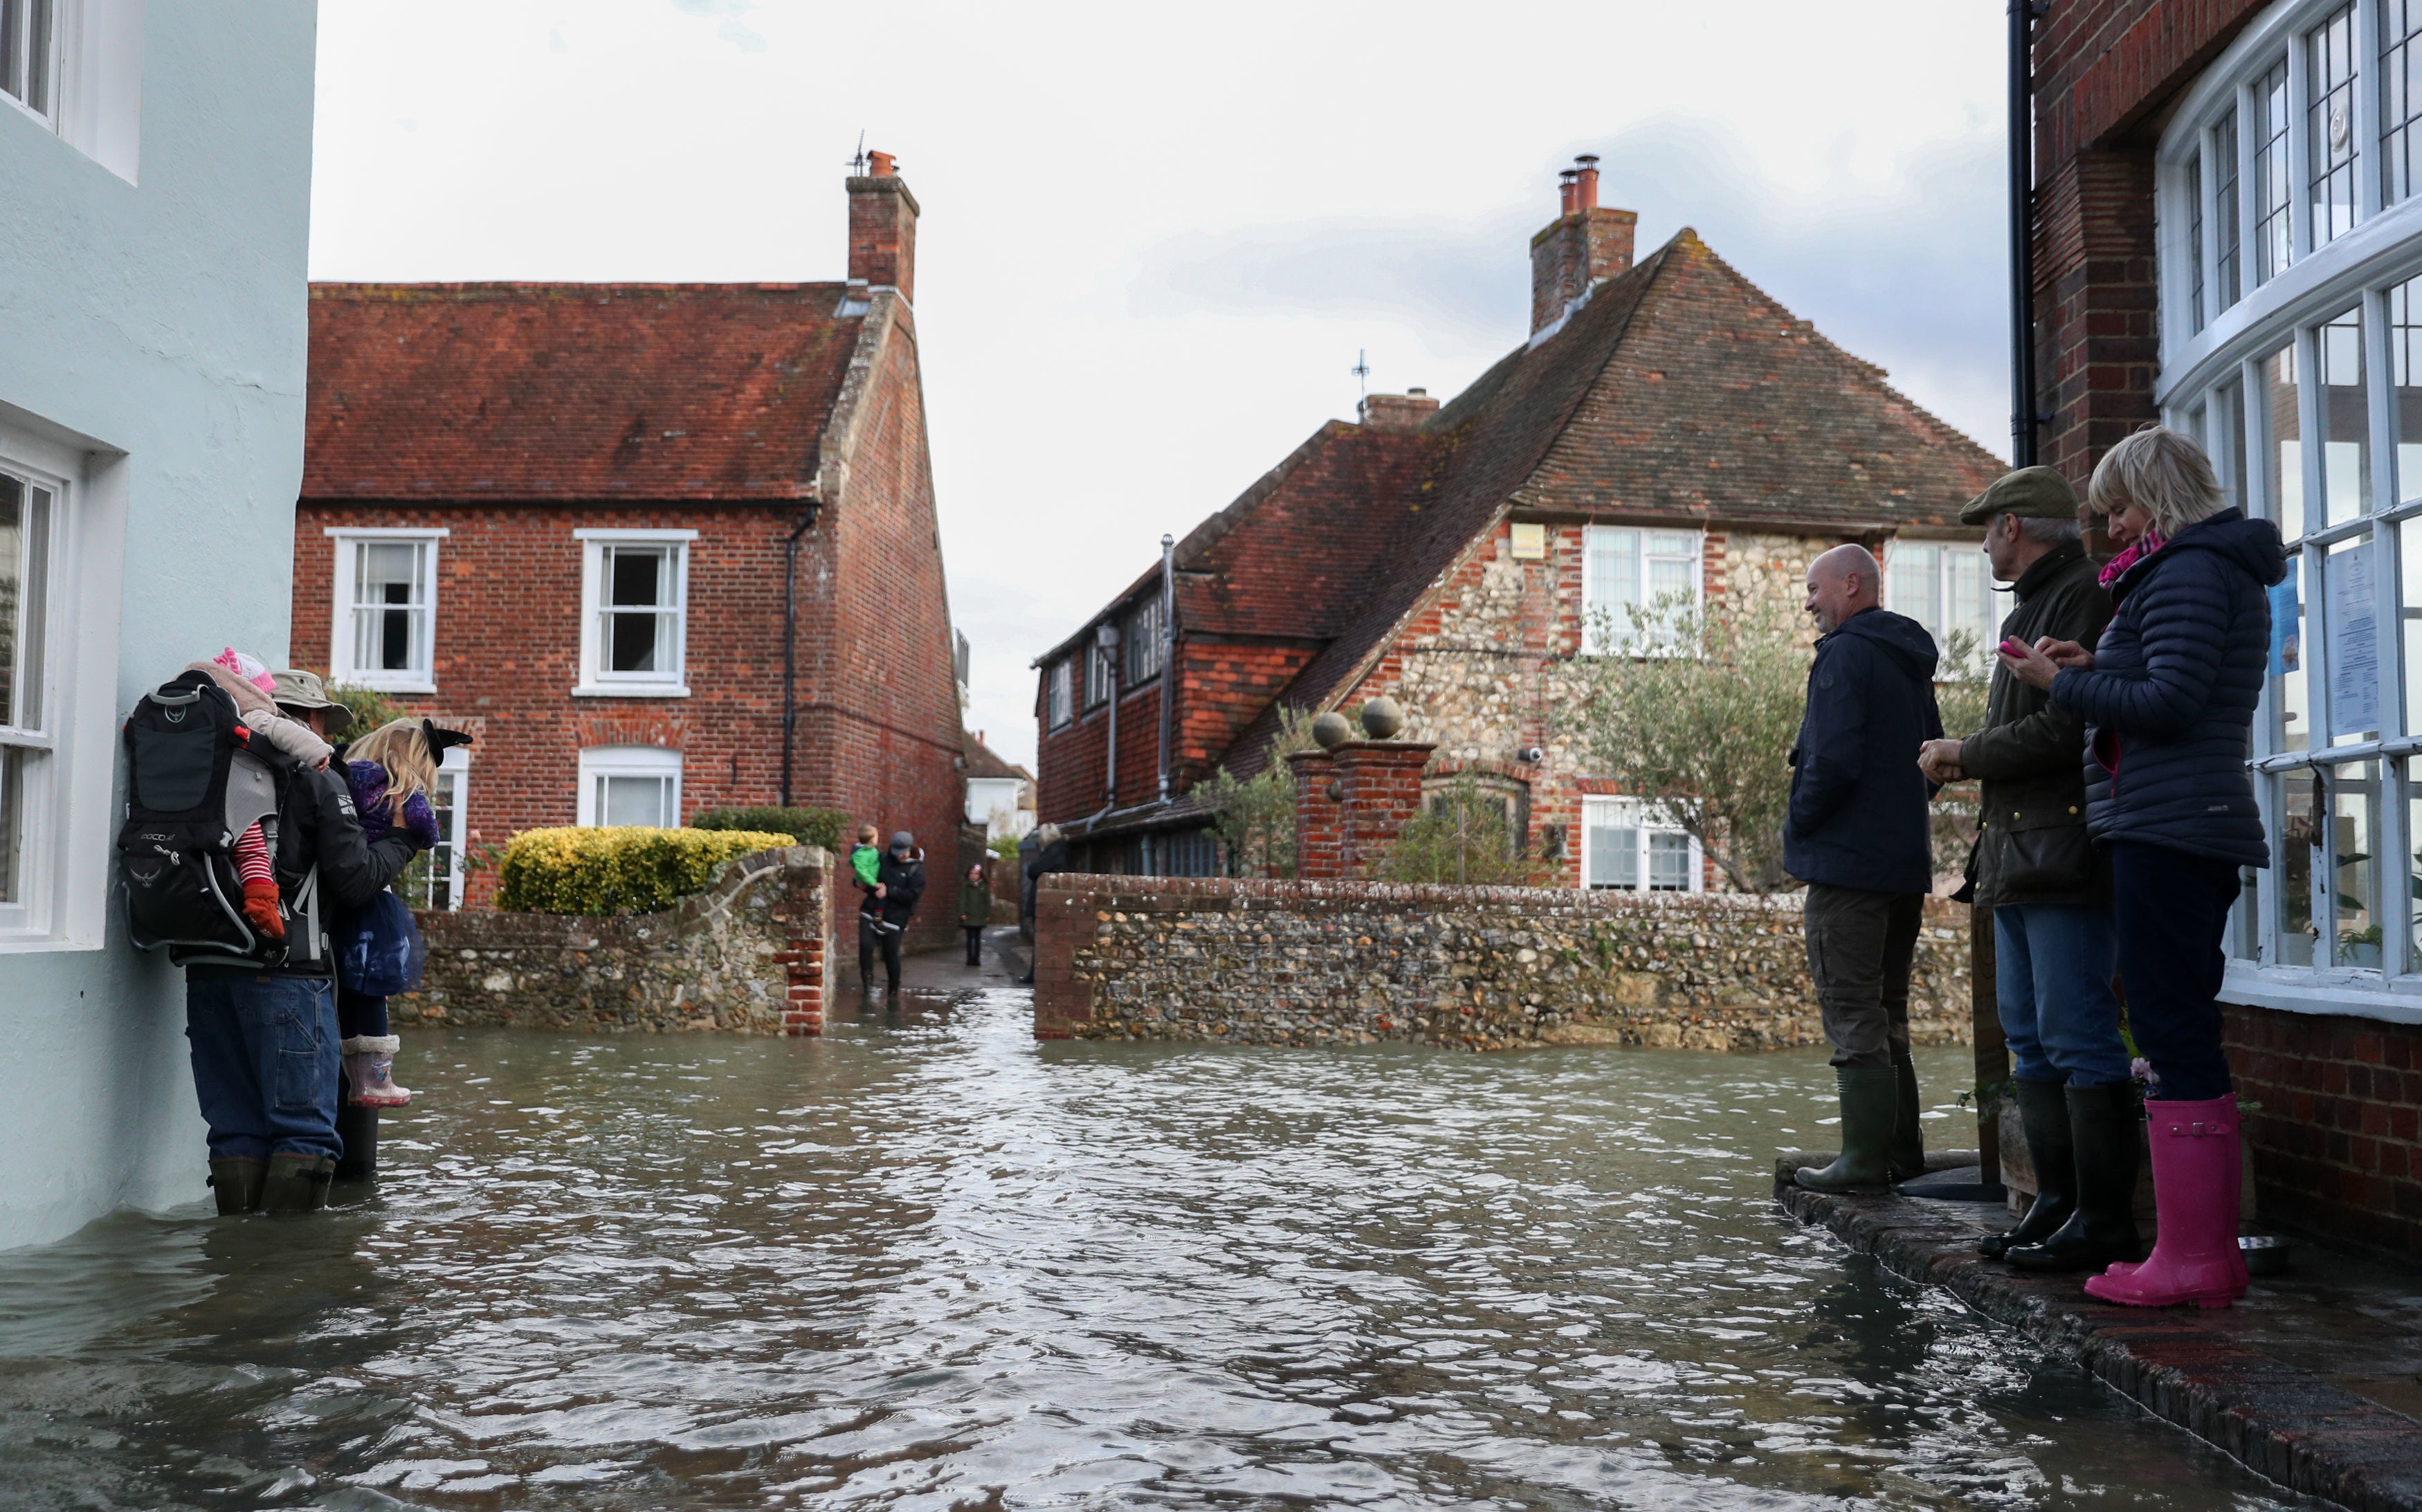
point(2312, 1378)
point(927, 1262)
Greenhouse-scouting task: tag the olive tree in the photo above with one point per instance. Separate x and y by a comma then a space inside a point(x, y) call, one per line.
point(1255, 818)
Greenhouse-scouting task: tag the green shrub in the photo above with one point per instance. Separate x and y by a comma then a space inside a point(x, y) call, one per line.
point(1464, 837)
point(808, 827)
point(369, 709)
point(617, 871)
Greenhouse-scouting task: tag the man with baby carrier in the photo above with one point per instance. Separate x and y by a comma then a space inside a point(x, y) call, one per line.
point(241, 845)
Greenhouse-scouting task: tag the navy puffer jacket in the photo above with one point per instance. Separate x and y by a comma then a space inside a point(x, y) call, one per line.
point(2174, 683)
point(1858, 813)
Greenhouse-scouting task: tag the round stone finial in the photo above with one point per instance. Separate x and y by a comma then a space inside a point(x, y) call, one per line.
point(1330, 729)
point(1382, 718)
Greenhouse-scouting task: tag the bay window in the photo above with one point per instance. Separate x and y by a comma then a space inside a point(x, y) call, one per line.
point(2306, 394)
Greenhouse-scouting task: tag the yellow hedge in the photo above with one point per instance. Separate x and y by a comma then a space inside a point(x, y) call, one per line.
point(617, 871)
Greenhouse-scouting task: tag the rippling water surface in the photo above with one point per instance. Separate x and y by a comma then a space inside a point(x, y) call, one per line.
point(926, 1263)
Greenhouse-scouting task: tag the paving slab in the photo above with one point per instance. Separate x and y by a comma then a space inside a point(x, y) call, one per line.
point(2314, 1379)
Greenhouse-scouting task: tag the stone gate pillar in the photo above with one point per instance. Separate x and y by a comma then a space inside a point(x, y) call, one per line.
point(1316, 817)
point(1381, 790)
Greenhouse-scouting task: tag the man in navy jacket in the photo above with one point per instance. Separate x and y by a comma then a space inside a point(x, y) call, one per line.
point(1858, 836)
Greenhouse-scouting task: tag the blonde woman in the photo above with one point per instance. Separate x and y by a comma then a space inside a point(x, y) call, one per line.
point(392, 771)
point(2169, 695)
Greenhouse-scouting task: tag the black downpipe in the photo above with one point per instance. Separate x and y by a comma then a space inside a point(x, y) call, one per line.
point(791, 641)
point(2023, 419)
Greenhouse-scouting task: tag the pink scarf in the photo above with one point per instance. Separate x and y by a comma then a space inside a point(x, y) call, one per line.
point(2144, 546)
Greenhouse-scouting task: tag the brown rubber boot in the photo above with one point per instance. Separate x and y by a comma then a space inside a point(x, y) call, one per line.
point(296, 1183)
point(236, 1183)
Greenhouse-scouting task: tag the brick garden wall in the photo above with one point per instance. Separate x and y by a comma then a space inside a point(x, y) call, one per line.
point(747, 955)
point(1331, 963)
point(2336, 1144)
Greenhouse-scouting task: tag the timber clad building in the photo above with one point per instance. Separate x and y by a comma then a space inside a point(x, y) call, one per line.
point(1666, 429)
point(2228, 239)
point(584, 522)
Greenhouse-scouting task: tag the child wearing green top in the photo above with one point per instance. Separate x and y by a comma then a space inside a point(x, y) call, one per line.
point(865, 859)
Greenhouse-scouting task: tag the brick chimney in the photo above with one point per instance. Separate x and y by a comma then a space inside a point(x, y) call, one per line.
point(883, 229)
point(1583, 247)
point(1407, 411)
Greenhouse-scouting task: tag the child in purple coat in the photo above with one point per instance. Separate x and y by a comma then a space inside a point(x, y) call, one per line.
point(390, 771)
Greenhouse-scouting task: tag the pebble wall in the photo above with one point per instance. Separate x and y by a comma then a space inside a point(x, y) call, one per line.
point(1483, 968)
point(746, 955)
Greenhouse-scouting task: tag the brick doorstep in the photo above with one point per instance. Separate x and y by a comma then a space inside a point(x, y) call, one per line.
point(2280, 1421)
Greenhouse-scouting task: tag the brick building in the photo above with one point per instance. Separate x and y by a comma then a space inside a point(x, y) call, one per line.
point(585, 521)
point(1667, 427)
point(2227, 239)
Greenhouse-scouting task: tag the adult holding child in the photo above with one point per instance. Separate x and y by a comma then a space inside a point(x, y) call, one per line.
point(2048, 889)
point(2169, 695)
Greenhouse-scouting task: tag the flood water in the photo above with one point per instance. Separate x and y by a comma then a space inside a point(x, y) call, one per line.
point(926, 1263)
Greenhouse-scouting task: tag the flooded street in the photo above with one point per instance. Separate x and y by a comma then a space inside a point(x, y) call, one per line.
point(928, 1263)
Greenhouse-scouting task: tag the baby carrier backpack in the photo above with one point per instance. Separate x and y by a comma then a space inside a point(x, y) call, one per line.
point(193, 785)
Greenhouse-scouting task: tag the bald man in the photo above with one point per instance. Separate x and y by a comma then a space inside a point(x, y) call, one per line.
point(1858, 836)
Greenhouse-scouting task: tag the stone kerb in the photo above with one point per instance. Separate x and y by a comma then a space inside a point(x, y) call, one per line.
point(1347, 962)
point(747, 955)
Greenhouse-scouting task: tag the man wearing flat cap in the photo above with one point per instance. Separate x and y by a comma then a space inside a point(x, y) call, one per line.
point(2047, 888)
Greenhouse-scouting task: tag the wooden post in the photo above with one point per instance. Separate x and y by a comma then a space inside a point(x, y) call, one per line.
point(1992, 1051)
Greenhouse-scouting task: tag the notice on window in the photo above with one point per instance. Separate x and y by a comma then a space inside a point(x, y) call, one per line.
point(2355, 643)
point(2286, 649)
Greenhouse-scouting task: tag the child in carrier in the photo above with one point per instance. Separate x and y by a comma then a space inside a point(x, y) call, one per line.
point(391, 772)
point(247, 681)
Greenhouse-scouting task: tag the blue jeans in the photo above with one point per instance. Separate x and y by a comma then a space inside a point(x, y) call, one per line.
point(2052, 965)
point(266, 1058)
point(2173, 913)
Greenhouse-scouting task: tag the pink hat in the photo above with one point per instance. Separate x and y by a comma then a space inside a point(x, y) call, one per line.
point(248, 668)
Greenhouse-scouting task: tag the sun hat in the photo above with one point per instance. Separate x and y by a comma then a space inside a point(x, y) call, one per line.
point(292, 688)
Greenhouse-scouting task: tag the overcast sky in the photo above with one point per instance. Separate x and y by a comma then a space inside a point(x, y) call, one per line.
point(1156, 238)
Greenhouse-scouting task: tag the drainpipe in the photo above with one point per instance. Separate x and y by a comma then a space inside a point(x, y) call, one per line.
point(2023, 419)
point(791, 641)
point(1106, 645)
point(1167, 649)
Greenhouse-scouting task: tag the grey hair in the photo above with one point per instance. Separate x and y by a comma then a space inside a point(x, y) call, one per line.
point(2045, 532)
point(2161, 472)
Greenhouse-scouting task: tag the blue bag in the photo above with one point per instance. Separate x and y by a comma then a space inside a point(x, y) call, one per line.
point(383, 951)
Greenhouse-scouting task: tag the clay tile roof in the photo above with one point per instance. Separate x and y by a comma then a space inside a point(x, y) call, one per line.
point(1678, 391)
point(982, 760)
point(559, 391)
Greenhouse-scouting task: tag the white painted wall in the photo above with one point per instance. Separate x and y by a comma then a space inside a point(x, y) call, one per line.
point(152, 330)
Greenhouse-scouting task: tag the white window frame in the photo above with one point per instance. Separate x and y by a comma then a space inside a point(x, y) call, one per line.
point(345, 551)
point(95, 82)
point(70, 808)
point(1644, 824)
point(596, 680)
point(1143, 643)
point(1939, 624)
point(455, 771)
point(1056, 691)
point(599, 762)
point(2355, 271)
point(1611, 636)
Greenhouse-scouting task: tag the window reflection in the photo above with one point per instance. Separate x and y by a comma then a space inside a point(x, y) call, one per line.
point(2355, 858)
point(2346, 419)
point(2224, 207)
point(2286, 462)
point(2328, 126)
point(2272, 244)
point(2299, 840)
point(2400, 97)
point(2227, 447)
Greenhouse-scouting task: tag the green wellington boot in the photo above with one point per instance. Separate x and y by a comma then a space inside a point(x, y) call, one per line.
point(1907, 1156)
point(2043, 1117)
point(236, 1184)
point(296, 1183)
point(1871, 1103)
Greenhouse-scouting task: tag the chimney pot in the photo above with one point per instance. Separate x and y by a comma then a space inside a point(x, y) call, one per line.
point(1585, 184)
point(1568, 191)
point(1583, 246)
point(879, 165)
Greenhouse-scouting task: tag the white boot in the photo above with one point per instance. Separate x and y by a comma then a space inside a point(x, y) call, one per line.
point(370, 1061)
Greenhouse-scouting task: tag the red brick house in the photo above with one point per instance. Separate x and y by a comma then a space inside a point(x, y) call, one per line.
point(1666, 427)
point(2226, 237)
point(661, 547)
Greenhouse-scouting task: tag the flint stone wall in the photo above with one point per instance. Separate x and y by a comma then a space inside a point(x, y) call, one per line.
point(745, 956)
point(1483, 968)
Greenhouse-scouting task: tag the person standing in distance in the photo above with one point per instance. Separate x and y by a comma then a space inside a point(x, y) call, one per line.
point(1857, 835)
point(2047, 890)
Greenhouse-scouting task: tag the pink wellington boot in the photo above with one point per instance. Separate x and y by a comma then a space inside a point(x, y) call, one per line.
point(2197, 1164)
point(369, 1063)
